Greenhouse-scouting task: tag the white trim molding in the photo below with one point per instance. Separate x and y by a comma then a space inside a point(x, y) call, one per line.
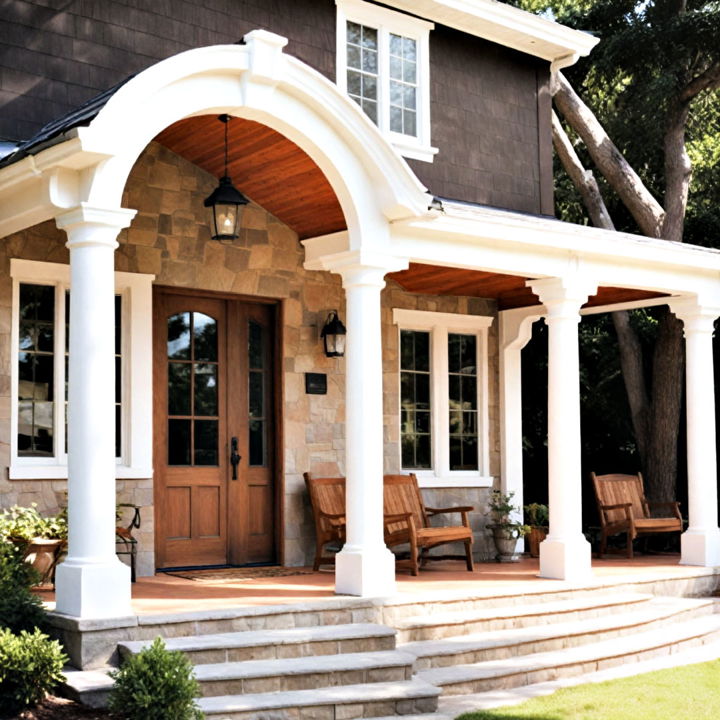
point(417, 147)
point(136, 292)
point(439, 324)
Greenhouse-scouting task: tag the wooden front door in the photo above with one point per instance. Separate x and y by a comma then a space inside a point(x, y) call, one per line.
point(214, 431)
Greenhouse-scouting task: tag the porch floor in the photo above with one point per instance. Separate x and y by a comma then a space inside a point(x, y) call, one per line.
point(169, 594)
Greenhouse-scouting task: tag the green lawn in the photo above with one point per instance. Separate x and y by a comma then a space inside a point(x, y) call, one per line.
point(691, 692)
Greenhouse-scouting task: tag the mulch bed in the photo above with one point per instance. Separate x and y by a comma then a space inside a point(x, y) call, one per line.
point(54, 708)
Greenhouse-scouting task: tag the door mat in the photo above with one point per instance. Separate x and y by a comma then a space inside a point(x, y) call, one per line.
point(238, 574)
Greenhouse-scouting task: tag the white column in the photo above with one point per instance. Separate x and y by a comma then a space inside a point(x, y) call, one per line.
point(700, 543)
point(515, 331)
point(565, 554)
point(92, 582)
point(364, 566)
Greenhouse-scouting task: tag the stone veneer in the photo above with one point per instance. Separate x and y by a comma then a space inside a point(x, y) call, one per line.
point(170, 238)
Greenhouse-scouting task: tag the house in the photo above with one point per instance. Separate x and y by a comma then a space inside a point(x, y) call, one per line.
point(397, 157)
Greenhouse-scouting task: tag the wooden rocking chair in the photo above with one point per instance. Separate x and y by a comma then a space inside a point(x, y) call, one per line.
point(407, 520)
point(623, 509)
point(327, 498)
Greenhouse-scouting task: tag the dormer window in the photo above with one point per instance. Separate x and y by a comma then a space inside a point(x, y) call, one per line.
point(383, 65)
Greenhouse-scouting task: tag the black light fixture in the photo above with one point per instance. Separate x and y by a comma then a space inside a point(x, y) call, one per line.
point(226, 201)
point(333, 335)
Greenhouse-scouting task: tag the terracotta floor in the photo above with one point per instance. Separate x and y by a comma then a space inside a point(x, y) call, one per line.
point(166, 594)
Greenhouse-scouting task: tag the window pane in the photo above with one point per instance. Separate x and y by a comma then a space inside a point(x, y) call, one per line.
point(256, 395)
point(354, 31)
point(118, 431)
point(370, 108)
point(409, 74)
point(409, 49)
point(396, 44)
point(369, 37)
point(257, 442)
point(396, 119)
point(415, 432)
point(462, 421)
point(354, 82)
point(206, 392)
point(178, 442)
point(422, 456)
point(205, 337)
point(118, 379)
point(422, 390)
point(178, 388)
point(206, 442)
point(409, 122)
point(396, 69)
point(255, 345)
point(353, 57)
point(370, 61)
point(396, 95)
point(422, 351)
point(369, 87)
point(469, 392)
point(179, 336)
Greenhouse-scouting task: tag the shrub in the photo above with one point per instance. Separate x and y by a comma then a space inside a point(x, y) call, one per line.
point(30, 666)
point(155, 684)
point(19, 608)
point(26, 523)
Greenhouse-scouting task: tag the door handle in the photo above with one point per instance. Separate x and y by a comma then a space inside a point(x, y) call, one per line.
point(234, 457)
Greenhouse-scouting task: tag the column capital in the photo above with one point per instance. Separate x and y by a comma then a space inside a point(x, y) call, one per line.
point(697, 317)
point(563, 295)
point(88, 225)
point(362, 268)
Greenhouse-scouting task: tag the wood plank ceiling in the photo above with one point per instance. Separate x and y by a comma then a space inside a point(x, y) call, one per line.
point(279, 176)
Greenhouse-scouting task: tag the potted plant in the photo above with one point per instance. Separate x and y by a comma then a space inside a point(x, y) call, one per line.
point(536, 516)
point(506, 531)
point(43, 538)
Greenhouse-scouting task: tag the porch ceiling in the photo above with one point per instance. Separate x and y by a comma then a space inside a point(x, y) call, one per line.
point(271, 170)
point(509, 290)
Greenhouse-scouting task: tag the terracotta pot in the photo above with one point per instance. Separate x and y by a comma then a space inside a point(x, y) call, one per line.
point(43, 555)
point(535, 537)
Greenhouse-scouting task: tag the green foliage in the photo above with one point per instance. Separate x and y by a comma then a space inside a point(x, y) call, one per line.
point(26, 523)
point(30, 667)
point(501, 508)
point(155, 684)
point(536, 514)
point(19, 608)
point(681, 692)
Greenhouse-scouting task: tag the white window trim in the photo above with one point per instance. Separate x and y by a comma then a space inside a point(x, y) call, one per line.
point(136, 291)
point(439, 325)
point(387, 21)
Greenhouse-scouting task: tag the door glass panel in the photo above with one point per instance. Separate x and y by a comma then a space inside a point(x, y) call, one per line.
point(178, 336)
point(257, 389)
point(206, 442)
point(192, 389)
point(415, 431)
point(178, 442)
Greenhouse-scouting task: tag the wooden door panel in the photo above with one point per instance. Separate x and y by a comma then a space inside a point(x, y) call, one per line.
point(207, 512)
point(178, 513)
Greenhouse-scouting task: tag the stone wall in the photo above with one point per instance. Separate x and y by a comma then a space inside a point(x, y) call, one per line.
point(170, 238)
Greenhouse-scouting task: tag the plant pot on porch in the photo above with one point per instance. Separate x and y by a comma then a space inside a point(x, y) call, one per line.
point(506, 539)
point(535, 537)
point(44, 554)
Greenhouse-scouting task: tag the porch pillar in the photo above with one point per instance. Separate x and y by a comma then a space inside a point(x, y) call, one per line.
point(700, 543)
point(92, 582)
point(515, 330)
point(565, 554)
point(364, 566)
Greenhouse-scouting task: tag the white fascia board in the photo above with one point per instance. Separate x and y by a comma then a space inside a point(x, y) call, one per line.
point(505, 25)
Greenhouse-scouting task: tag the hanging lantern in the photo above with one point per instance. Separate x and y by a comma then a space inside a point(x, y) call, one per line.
point(226, 201)
point(333, 335)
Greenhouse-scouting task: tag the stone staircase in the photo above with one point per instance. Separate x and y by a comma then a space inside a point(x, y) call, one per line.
point(315, 667)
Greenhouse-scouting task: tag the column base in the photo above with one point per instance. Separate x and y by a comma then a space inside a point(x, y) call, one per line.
point(91, 591)
point(566, 559)
point(365, 572)
point(700, 547)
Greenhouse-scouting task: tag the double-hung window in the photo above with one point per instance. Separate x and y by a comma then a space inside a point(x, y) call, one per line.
point(383, 65)
point(443, 374)
point(39, 375)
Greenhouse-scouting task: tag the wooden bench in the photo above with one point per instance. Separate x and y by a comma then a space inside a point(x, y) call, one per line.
point(407, 520)
point(327, 498)
point(623, 509)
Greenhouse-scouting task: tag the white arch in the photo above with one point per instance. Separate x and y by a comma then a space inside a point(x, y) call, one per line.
point(259, 82)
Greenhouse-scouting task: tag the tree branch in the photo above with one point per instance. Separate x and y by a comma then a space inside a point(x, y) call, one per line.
point(646, 210)
point(583, 179)
point(708, 80)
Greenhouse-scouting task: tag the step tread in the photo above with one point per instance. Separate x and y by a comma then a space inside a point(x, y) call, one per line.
point(633, 644)
point(655, 609)
point(303, 665)
point(461, 617)
point(251, 638)
point(343, 694)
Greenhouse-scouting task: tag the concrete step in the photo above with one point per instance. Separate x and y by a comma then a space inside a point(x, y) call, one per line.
point(443, 625)
point(541, 667)
point(276, 644)
point(265, 676)
point(500, 644)
point(345, 702)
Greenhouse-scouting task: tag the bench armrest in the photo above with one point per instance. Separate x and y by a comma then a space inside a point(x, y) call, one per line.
point(460, 509)
point(673, 505)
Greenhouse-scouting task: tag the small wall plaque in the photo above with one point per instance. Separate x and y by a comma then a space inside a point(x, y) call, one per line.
point(316, 383)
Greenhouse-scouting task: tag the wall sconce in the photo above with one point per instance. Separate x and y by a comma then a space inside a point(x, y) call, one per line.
point(226, 201)
point(333, 335)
